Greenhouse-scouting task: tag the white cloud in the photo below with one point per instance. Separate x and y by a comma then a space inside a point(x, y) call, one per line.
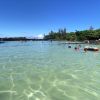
point(40, 36)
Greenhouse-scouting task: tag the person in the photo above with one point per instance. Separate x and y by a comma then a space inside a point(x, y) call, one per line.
point(69, 46)
point(79, 46)
point(85, 50)
point(76, 48)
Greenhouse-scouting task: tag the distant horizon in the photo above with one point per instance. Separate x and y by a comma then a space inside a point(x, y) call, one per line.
point(29, 37)
point(42, 35)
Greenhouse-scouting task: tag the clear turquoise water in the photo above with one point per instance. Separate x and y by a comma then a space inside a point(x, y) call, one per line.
point(48, 71)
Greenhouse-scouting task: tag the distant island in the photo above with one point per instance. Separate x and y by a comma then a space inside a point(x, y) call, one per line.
point(19, 39)
point(62, 34)
point(91, 35)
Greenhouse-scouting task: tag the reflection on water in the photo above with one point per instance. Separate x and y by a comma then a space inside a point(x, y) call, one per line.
point(48, 71)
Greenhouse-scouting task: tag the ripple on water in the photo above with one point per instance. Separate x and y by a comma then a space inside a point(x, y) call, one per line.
point(45, 71)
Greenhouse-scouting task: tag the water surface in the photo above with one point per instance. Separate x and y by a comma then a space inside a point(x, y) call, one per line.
point(48, 71)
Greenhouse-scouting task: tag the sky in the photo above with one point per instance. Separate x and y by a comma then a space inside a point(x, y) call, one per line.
point(38, 17)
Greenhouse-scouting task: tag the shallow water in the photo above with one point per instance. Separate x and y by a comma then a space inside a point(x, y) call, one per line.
point(48, 71)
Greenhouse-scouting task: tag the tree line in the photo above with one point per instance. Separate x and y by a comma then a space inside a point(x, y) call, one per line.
point(62, 34)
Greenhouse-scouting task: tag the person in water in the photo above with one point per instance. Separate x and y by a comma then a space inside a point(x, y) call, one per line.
point(69, 46)
point(77, 47)
point(85, 50)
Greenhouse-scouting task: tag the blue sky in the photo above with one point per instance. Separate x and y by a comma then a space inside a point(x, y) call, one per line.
point(35, 17)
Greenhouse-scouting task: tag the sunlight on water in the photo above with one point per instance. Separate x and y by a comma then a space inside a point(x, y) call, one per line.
point(48, 71)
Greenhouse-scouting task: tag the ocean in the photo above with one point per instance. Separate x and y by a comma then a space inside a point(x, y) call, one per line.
point(44, 70)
